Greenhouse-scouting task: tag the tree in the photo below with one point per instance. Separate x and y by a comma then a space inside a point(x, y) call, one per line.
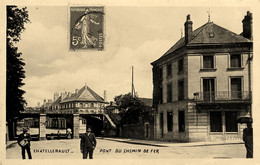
point(131, 109)
point(16, 18)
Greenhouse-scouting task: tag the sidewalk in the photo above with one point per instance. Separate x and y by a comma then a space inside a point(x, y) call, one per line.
point(170, 144)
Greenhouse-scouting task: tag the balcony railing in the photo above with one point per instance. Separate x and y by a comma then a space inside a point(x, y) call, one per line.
point(218, 96)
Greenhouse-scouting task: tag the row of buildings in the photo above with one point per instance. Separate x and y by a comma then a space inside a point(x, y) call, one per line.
point(91, 106)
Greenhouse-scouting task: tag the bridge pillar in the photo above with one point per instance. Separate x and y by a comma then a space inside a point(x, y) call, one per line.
point(75, 126)
point(42, 126)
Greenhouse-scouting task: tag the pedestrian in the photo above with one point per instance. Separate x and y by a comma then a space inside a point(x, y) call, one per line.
point(102, 133)
point(69, 132)
point(24, 142)
point(87, 144)
point(58, 134)
point(248, 139)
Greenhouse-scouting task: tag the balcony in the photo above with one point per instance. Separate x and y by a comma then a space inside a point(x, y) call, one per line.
point(223, 97)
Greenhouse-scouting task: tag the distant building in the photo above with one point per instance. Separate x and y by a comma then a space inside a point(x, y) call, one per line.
point(202, 84)
point(84, 100)
point(69, 111)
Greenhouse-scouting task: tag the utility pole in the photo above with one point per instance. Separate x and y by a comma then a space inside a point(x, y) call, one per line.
point(133, 88)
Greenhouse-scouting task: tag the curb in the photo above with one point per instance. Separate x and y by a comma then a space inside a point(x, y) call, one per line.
point(139, 143)
point(10, 144)
point(212, 144)
point(177, 144)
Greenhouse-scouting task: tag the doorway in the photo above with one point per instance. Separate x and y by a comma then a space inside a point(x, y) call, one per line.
point(236, 92)
point(209, 89)
point(161, 124)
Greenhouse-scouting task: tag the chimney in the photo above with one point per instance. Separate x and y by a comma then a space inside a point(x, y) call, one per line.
point(63, 95)
point(188, 29)
point(69, 94)
point(247, 26)
point(76, 91)
point(49, 100)
point(105, 95)
point(55, 96)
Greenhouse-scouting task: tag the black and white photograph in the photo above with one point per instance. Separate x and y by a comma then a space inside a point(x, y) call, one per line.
point(149, 81)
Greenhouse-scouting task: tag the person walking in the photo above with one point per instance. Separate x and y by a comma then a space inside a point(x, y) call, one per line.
point(69, 133)
point(24, 142)
point(58, 135)
point(248, 139)
point(102, 133)
point(87, 144)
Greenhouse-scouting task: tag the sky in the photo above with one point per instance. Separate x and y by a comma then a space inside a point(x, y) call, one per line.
point(134, 36)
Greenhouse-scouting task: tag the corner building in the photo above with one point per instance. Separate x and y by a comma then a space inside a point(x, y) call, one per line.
point(202, 84)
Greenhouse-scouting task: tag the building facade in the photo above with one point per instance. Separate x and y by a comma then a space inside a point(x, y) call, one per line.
point(86, 102)
point(202, 84)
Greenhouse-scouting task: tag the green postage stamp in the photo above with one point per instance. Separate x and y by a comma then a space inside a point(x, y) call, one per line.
point(86, 28)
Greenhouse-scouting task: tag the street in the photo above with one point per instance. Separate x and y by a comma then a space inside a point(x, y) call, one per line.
point(110, 148)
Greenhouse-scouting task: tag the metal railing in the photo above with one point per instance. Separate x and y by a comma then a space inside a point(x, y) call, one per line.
point(213, 96)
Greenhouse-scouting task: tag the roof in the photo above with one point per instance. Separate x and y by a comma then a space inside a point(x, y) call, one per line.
point(84, 94)
point(209, 34)
point(147, 101)
point(57, 101)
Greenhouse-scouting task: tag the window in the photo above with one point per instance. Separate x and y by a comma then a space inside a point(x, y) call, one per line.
point(235, 61)
point(169, 121)
point(180, 90)
point(236, 88)
point(208, 62)
point(231, 121)
point(209, 89)
point(181, 119)
point(161, 124)
point(169, 70)
point(161, 95)
point(92, 105)
point(169, 92)
point(161, 73)
point(180, 65)
point(215, 121)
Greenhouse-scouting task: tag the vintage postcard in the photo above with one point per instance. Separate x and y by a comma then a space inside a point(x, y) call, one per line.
point(127, 82)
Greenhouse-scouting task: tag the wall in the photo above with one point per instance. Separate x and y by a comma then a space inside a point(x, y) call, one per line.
point(133, 131)
point(198, 123)
point(174, 135)
point(175, 78)
point(222, 74)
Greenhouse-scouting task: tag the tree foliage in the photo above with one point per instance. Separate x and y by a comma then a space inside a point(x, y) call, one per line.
point(16, 19)
point(131, 109)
